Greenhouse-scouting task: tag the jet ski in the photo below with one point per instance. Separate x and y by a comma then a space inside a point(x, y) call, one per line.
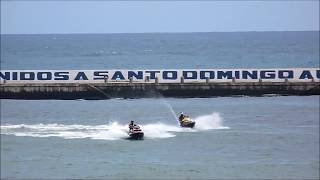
point(136, 133)
point(187, 122)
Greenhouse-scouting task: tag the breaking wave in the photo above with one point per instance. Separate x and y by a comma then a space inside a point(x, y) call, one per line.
point(111, 131)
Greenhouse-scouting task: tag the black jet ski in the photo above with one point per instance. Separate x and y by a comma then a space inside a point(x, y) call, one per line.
point(187, 122)
point(136, 133)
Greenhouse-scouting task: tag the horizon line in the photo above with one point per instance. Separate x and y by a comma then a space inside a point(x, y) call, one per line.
point(180, 32)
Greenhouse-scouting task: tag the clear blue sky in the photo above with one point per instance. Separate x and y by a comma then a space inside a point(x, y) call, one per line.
point(25, 17)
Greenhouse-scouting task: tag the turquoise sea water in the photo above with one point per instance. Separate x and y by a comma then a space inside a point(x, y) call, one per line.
point(271, 137)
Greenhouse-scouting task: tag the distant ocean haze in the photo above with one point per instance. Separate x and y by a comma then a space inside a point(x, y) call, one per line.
point(161, 50)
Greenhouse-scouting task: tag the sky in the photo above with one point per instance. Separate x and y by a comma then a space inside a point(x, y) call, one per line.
point(64, 17)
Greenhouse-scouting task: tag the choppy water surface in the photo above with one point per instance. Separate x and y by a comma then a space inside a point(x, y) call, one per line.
point(235, 137)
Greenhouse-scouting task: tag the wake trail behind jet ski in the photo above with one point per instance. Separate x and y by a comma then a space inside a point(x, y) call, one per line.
point(110, 131)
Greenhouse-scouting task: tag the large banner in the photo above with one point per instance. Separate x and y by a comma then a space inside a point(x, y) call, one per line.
point(160, 76)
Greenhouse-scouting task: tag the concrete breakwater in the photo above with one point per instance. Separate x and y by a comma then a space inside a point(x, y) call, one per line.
point(137, 90)
point(105, 84)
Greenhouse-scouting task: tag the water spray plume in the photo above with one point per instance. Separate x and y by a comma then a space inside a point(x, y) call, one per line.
point(168, 105)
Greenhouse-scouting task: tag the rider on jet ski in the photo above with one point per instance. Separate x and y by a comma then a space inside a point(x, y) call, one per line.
point(185, 121)
point(131, 125)
point(135, 132)
point(181, 116)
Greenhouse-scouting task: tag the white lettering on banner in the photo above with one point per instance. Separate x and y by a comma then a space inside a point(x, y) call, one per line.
point(164, 76)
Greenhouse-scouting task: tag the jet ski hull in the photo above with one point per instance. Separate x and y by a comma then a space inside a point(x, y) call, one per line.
point(188, 124)
point(136, 136)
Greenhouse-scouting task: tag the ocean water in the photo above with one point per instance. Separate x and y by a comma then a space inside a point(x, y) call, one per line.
point(163, 50)
point(270, 137)
point(235, 137)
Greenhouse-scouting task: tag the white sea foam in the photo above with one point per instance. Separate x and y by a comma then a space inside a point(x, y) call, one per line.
point(210, 121)
point(111, 131)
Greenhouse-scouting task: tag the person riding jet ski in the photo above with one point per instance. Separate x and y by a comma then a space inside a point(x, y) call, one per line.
point(185, 121)
point(181, 116)
point(135, 131)
point(131, 124)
